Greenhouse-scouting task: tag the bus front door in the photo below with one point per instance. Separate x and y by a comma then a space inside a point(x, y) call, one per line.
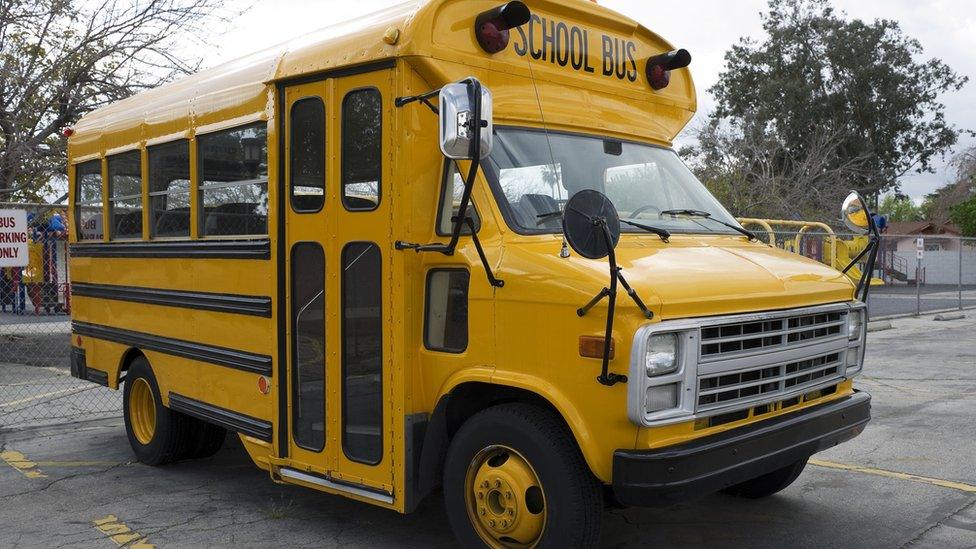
point(338, 236)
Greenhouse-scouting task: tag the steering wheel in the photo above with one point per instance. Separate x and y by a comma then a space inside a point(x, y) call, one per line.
point(643, 209)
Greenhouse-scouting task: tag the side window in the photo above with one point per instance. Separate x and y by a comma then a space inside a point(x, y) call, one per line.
point(125, 195)
point(88, 200)
point(452, 187)
point(308, 345)
point(307, 149)
point(362, 352)
point(446, 322)
point(362, 144)
point(169, 189)
point(234, 181)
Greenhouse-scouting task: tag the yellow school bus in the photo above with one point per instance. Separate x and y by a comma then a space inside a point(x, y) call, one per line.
point(449, 246)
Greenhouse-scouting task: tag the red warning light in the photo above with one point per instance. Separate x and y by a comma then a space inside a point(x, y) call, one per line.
point(659, 67)
point(492, 27)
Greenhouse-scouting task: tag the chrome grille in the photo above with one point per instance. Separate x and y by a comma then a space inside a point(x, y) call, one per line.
point(766, 335)
point(726, 389)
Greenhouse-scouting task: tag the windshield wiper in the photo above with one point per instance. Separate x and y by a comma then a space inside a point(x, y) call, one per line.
point(706, 215)
point(663, 233)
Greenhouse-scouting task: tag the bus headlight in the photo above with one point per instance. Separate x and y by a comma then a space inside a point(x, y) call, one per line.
point(662, 397)
point(662, 373)
point(661, 356)
point(855, 323)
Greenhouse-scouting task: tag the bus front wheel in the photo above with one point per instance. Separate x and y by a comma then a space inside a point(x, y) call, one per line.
point(513, 477)
point(157, 434)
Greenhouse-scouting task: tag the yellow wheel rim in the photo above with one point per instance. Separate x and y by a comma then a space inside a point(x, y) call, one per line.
point(505, 500)
point(142, 411)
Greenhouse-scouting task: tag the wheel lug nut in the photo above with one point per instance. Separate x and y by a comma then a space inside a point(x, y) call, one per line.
point(508, 495)
point(483, 512)
point(511, 512)
point(481, 495)
point(492, 523)
point(498, 484)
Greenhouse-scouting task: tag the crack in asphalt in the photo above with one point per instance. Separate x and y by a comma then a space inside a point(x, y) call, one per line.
point(941, 522)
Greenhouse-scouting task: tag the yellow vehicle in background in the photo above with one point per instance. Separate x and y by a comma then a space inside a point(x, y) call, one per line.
point(388, 255)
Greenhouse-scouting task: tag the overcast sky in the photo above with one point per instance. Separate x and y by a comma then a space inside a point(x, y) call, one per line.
point(946, 29)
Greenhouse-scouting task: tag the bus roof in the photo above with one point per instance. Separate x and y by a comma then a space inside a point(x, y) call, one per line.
point(241, 90)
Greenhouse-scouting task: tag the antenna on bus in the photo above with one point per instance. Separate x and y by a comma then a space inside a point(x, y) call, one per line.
point(564, 251)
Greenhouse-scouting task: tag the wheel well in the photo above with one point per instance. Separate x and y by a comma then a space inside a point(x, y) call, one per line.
point(468, 399)
point(448, 416)
point(127, 359)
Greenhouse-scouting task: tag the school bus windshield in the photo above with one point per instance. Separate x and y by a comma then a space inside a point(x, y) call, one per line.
point(533, 175)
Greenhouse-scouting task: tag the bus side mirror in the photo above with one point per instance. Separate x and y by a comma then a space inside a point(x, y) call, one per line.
point(462, 115)
point(855, 213)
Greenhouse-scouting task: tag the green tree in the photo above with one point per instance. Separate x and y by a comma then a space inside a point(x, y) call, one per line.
point(60, 59)
point(964, 215)
point(940, 204)
point(899, 207)
point(864, 86)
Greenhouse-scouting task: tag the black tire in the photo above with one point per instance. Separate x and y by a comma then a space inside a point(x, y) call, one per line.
point(171, 437)
point(573, 496)
point(768, 484)
point(207, 439)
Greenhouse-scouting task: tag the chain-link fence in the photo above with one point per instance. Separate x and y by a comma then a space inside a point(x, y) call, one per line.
point(914, 274)
point(35, 302)
point(36, 388)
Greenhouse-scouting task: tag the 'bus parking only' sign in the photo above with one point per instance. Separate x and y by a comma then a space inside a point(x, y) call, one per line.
point(13, 238)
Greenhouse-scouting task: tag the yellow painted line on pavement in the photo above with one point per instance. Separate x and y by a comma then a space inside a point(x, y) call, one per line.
point(19, 462)
point(962, 486)
point(122, 535)
point(76, 463)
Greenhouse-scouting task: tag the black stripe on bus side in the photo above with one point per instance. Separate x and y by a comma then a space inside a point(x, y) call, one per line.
point(282, 250)
point(195, 249)
point(221, 356)
point(230, 420)
point(206, 301)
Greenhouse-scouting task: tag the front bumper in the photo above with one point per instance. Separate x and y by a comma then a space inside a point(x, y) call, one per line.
point(652, 478)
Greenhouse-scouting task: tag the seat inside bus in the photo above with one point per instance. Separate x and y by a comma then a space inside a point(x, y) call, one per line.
point(235, 218)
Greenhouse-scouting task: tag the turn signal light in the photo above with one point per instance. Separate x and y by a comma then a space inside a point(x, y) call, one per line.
point(659, 67)
point(492, 27)
point(592, 347)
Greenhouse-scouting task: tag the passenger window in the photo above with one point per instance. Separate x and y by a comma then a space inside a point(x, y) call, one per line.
point(308, 345)
point(169, 189)
point(362, 352)
point(362, 144)
point(447, 310)
point(125, 192)
point(450, 202)
point(307, 155)
point(88, 200)
point(234, 181)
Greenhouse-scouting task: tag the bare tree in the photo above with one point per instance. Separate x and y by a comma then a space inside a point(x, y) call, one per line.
point(60, 59)
point(755, 174)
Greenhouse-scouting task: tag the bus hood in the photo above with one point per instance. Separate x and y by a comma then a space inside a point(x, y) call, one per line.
point(691, 276)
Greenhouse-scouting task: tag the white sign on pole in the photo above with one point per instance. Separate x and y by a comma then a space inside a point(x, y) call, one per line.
point(13, 238)
point(920, 247)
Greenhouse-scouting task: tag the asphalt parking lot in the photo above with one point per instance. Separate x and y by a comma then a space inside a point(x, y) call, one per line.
point(909, 480)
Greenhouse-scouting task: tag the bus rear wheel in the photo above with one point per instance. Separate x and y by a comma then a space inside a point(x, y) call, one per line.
point(513, 477)
point(157, 434)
